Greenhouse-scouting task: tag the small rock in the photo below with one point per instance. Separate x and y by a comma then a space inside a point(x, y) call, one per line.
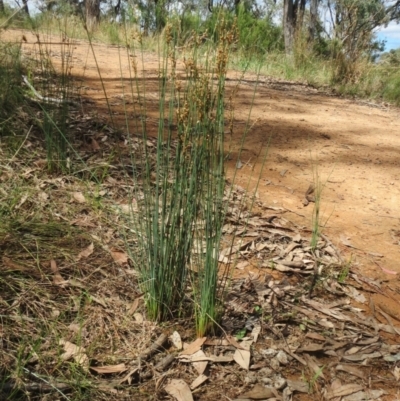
point(287, 394)
point(250, 379)
point(280, 383)
point(267, 381)
point(282, 358)
point(266, 372)
point(274, 363)
point(269, 352)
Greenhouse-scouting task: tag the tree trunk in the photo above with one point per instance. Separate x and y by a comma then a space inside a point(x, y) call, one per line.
point(1, 6)
point(293, 15)
point(25, 7)
point(92, 13)
point(312, 30)
point(117, 8)
point(289, 24)
point(299, 14)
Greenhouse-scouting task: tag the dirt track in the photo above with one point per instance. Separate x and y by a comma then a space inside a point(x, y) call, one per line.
point(355, 145)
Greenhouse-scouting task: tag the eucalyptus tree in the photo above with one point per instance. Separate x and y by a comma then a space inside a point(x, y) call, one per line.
point(353, 23)
point(350, 23)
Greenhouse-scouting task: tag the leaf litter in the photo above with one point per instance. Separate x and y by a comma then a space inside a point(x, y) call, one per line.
point(289, 326)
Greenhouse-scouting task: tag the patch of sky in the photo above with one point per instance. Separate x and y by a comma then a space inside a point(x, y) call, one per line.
point(391, 35)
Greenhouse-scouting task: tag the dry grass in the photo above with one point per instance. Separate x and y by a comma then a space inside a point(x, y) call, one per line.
point(64, 277)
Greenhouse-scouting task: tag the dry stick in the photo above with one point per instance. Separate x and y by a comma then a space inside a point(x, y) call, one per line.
point(154, 347)
point(48, 386)
point(36, 387)
point(315, 276)
point(162, 365)
point(292, 211)
point(52, 43)
point(56, 386)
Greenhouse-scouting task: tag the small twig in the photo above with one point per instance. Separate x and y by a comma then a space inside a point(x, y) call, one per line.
point(292, 211)
point(22, 144)
point(315, 277)
point(48, 386)
point(52, 43)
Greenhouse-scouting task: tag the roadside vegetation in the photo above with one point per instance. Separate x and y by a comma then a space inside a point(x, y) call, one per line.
point(342, 54)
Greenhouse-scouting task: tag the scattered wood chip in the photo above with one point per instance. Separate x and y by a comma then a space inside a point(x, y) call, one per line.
point(110, 368)
point(176, 340)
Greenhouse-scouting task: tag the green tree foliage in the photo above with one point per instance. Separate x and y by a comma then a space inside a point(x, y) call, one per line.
point(391, 58)
point(354, 22)
point(258, 35)
point(350, 23)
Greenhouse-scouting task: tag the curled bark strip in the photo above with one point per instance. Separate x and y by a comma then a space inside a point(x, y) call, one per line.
point(46, 98)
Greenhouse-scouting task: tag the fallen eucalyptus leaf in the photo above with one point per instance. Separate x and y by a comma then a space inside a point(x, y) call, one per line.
point(178, 389)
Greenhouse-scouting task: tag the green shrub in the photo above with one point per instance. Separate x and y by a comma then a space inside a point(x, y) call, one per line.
point(391, 88)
